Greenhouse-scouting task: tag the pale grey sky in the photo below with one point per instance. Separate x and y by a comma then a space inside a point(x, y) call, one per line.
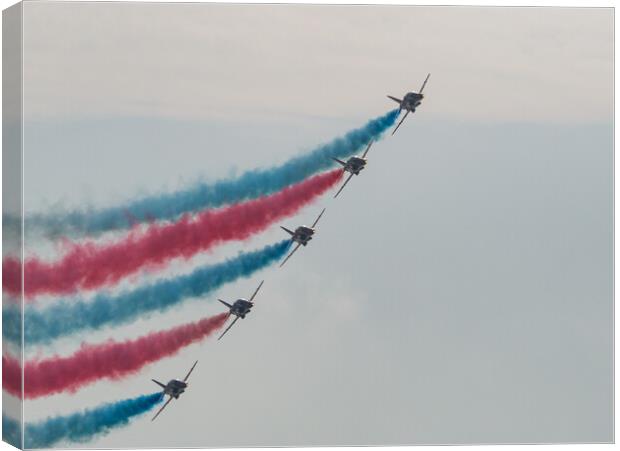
point(261, 61)
point(459, 291)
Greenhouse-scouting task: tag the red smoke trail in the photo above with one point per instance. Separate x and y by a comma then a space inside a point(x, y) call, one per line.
point(111, 360)
point(89, 265)
point(11, 376)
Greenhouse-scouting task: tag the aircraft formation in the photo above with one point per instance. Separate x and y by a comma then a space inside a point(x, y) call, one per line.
point(301, 236)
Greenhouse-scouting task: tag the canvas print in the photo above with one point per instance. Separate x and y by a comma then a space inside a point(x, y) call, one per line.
point(291, 225)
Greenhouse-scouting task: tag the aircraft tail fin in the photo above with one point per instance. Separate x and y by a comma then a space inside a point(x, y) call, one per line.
point(225, 303)
point(159, 383)
point(287, 231)
point(395, 99)
point(339, 161)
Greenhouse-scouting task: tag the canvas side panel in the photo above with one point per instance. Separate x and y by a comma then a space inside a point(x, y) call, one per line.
point(12, 241)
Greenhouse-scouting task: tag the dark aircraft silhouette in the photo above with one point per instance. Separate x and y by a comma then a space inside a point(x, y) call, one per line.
point(173, 389)
point(410, 102)
point(302, 235)
point(354, 165)
point(240, 308)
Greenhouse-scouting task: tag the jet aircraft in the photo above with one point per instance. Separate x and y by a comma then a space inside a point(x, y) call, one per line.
point(354, 165)
point(240, 308)
point(410, 102)
point(302, 235)
point(173, 389)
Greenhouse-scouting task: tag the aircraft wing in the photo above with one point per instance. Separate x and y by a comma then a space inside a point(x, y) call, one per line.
point(259, 285)
point(401, 121)
point(290, 255)
point(317, 219)
point(344, 184)
point(190, 371)
point(367, 149)
point(228, 328)
point(395, 99)
point(424, 84)
point(162, 408)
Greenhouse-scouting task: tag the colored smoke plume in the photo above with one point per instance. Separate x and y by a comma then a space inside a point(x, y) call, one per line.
point(110, 360)
point(89, 265)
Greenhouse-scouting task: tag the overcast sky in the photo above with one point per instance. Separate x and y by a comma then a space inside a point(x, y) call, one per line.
point(259, 61)
point(459, 291)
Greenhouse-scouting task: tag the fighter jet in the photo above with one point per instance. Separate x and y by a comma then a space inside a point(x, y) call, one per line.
point(302, 235)
point(410, 102)
point(173, 389)
point(240, 308)
point(354, 165)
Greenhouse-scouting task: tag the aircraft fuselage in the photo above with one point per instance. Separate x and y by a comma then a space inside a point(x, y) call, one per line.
point(303, 235)
point(411, 101)
point(175, 388)
point(241, 307)
point(355, 165)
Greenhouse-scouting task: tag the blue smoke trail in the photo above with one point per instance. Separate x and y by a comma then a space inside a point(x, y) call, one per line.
point(11, 431)
point(83, 426)
point(70, 316)
point(250, 185)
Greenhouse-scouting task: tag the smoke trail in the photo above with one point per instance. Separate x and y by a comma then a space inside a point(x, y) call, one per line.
point(13, 374)
point(89, 265)
point(83, 426)
point(11, 431)
point(200, 196)
point(110, 360)
point(70, 316)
